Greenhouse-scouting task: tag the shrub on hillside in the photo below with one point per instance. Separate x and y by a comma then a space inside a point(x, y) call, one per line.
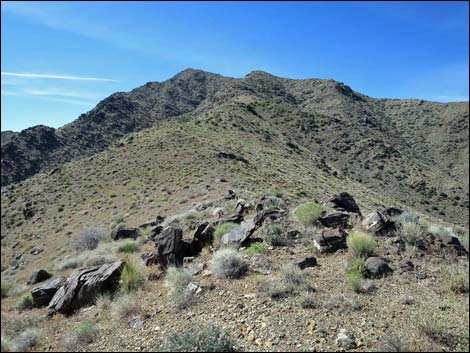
point(129, 247)
point(25, 303)
point(208, 339)
point(361, 244)
point(82, 335)
point(6, 289)
point(411, 232)
point(274, 235)
point(126, 306)
point(227, 263)
point(224, 228)
point(131, 277)
point(308, 213)
point(26, 340)
point(89, 238)
point(177, 280)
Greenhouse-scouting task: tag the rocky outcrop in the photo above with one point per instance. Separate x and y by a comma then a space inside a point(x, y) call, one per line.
point(125, 233)
point(376, 267)
point(43, 295)
point(334, 219)
point(307, 262)
point(344, 202)
point(203, 235)
point(238, 236)
point(83, 286)
point(171, 248)
point(330, 240)
point(38, 276)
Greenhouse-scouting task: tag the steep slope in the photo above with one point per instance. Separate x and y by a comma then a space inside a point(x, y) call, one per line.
point(414, 150)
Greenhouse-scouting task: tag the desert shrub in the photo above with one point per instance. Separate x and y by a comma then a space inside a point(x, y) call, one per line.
point(308, 213)
point(227, 263)
point(26, 340)
point(309, 302)
point(458, 279)
point(25, 303)
point(6, 289)
point(356, 264)
point(257, 248)
point(224, 228)
point(82, 335)
point(7, 345)
point(129, 247)
point(71, 263)
point(104, 302)
point(99, 260)
point(274, 235)
point(406, 217)
point(126, 306)
point(354, 279)
point(361, 244)
point(89, 238)
point(411, 232)
point(177, 280)
point(292, 277)
point(132, 275)
point(207, 339)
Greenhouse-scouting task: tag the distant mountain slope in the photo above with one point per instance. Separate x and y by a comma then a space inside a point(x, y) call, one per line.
point(412, 150)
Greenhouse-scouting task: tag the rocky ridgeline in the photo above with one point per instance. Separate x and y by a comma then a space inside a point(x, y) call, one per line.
point(340, 217)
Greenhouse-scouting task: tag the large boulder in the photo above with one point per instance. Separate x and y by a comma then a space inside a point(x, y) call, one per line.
point(235, 218)
point(375, 223)
point(203, 235)
point(38, 276)
point(28, 210)
point(153, 235)
point(344, 201)
point(238, 236)
point(272, 214)
point(334, 219)
point(306, 262)
point(125, 233)
point(330, 240)
point(84, 285)
point(171, 248)
point(42, 295)
point(450, 244)
point(376, 267)
point(269, 201)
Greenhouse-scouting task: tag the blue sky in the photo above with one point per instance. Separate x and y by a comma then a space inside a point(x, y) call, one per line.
point(59, 60)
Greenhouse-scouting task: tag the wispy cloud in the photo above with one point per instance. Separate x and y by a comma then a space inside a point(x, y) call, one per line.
point(51, 98)
point(57, 77)
point(60, 93)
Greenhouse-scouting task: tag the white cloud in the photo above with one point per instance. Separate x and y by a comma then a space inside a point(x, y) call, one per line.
point(60, 93)
point(57, 77)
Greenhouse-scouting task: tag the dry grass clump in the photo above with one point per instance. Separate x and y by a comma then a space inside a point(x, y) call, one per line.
point(227, 263)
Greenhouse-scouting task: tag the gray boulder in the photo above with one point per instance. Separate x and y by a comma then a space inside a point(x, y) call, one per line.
point(83, 286)
point(38, 276)
point(171, 248)
point(330, 240)
point(239, 235)
point(334, 219)
point(376, 267)
point(42, 295)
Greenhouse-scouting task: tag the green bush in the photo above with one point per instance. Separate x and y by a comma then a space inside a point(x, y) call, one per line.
point(361, 244)
point(131, 276)
point(354, 279)
point(356, 265)
point(308, 213)
point(227, 263)
point(257, 248)
point(6, 288)
point(82, 335)
point(25, 303)
point(208, 339)
point(26, 340)
point(129, 247)
point(275, 235)
point(411, 231)
point(177, 280)
point(224, 228)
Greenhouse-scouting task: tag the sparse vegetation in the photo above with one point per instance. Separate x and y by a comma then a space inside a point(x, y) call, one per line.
point(6, 289)
point(25, 303)
point(274, 235)
point(26, 340)
point(129, 247)
point(354, 279)
point(224, 228)
point(411, 231)
point(257, 248)
point(132, 275)
point(82, 335)
point(89, 238)
point(177, 280)
point(227, 263)
point(361, 244)
point(308, 213)
point(206, 339)
point(126, 306)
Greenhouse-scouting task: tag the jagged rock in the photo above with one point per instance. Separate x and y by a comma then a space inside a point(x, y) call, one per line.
point(157, 221)
point(38, 276)
point(230, 195)
point(171, 248)
point(330, 240)
point(345, 340)
point(394, 245)
point(344, 201)
point(232, 156)
point(83, 286)
point(154, 233)
point(270, 213)
point(235, 218)
point(292, 233)
point(240, 207)
point(310, 261)
point(450, 244)
point(125, 233)
point(405, 266)
point(376, 267)
point(203, 235)
point(28, 210)
point(376, 224)
point(391, 212)
point(42, 295)
point(35, 251)
point(269, 201)
point(218, 212)
point(334, 219)
point(239, 235)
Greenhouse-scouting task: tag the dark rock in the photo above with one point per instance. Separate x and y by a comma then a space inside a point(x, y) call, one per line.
point(149, 259)
point(376, 224)
point(35, 251)
point(330, 240)
point(240, 208)
point(270, 213)
point(42, 295)
point(376, 267)
point(125, 233)
point(344, 201)
point(38, 276)
point(390, 212)
point(236, 218)
point(28, 210)
point(306, 262)
point(405, 266)
point(232, 156)
point(203, 235)
point(171, 248)
point(153, 235)
point(239, 235)
point(83, 286)
point(292, 233)
point(269, 201)
point(230, 195)
point(334, 219)
point(450, 244)
point(157, 221)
